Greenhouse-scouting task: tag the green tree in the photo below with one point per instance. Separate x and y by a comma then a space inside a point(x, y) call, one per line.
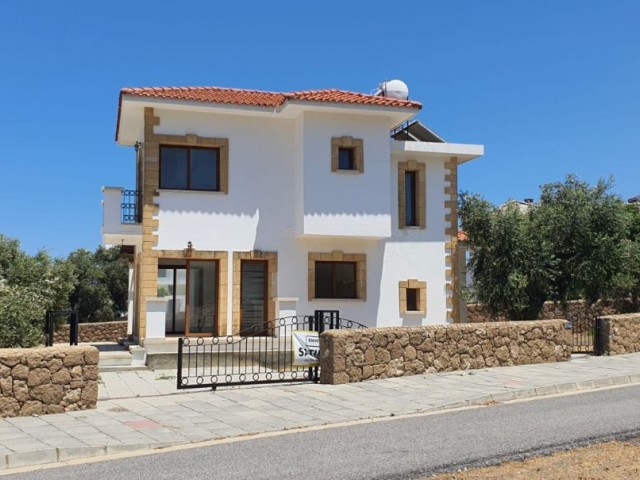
point(29, 285)
point(101, 291)
point(585, 226)
point(580, 241)
point(511, 265)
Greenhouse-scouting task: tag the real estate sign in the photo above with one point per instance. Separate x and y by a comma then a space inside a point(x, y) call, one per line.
point(306, 348)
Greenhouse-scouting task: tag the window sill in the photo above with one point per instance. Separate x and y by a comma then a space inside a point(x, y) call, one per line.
point(206, 192)
point(348, 172)
point(414, 313)
point(337, 300)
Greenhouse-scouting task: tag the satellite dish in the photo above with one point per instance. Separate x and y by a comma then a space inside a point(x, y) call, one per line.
point(393, 89)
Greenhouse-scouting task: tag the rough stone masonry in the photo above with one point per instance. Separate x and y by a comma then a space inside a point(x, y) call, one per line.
point(36, 381)
point(357, 355)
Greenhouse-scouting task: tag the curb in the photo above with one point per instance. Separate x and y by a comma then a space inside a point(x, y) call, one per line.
point(53, 455)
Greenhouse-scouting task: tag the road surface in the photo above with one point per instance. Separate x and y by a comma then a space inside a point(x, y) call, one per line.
point(400, 448)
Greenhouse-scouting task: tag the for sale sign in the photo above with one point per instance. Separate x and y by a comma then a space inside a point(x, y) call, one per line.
point(306, 348)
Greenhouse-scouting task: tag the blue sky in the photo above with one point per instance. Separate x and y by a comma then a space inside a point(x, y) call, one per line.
point(550, 87)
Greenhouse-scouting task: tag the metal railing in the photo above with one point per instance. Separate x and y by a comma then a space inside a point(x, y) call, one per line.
point(131, 206)
point(270, 354)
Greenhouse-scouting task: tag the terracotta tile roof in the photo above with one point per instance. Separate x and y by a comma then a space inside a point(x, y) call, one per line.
point(210, 94)
point(256, 98)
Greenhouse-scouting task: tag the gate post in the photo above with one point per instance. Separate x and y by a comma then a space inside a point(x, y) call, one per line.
point(598, 337)
point(49, 328)
point(73, 328)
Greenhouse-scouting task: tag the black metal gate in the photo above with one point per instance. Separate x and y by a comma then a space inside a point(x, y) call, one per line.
point(267, 355)
point(588, 336)
point(61, 317)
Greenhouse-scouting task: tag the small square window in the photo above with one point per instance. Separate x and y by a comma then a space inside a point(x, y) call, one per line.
point(347, 154)
point(413, 300)
point(413, 297)
point(346, 159)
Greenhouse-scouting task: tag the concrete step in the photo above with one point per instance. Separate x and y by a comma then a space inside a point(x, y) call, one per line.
point(115, 359)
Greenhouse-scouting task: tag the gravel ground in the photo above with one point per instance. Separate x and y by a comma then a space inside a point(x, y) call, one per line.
point(611, 461)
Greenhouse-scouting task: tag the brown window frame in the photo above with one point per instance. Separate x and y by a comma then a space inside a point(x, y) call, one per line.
point(188, 148)
point(333, 263)
point(418, 199)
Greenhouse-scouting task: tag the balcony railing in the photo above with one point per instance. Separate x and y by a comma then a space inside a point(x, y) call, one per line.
point(131, 207)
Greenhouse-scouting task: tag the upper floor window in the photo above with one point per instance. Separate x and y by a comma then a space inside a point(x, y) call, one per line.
point(347, 154)
point(346, 160)
point(190, 168)
point(411, 194)
point(410, 199)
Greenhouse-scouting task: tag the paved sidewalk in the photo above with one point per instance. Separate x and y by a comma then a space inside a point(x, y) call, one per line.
point(142, 410)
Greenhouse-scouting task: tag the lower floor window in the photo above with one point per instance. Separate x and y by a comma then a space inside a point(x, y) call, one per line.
point(337, 275)
point(413, 296)
point(336, 280)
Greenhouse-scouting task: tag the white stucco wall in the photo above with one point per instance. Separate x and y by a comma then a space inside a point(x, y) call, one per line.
point(283, 197)
point(348, 204)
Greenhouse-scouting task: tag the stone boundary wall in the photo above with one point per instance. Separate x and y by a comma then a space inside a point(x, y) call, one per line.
point(621, 333)
point(93, 332)
point(36, 381)
point(367, 354)
point(574, 310)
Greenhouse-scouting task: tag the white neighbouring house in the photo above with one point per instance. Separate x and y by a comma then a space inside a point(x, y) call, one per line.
point(250, 206)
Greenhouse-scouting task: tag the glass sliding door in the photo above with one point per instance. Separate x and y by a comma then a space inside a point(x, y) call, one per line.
point(202, 288)
point(172, 285)
point(253, 296)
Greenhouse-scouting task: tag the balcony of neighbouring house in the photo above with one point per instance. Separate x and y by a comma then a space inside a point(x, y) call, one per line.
point(121, 216)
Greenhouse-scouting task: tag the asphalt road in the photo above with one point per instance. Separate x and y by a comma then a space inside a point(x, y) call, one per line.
point(400, 448)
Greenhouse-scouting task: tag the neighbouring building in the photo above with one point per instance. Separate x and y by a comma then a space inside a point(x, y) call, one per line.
point(251, 206)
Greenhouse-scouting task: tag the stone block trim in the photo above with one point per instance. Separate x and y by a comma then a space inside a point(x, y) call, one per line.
point(93, 332)
point(422, 295)
point(366, 354)
point(421, 193)
point(37, 381)
point(356, 144)
point(451, 233)
point(272, 284)
point(338, 256)
point(223, 284)
point(621, 333)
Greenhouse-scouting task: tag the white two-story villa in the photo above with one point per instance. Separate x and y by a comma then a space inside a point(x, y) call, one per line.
point(251, 206)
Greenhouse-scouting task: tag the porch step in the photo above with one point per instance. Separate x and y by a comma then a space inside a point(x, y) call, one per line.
point(113, 356)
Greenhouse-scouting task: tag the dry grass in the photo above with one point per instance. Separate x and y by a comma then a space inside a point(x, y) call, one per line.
point(613, 460)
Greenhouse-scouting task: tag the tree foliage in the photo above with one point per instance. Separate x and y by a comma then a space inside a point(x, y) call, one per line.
point(29, 285)
point(100, 293)
point(580, 241)
point(93, 282)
